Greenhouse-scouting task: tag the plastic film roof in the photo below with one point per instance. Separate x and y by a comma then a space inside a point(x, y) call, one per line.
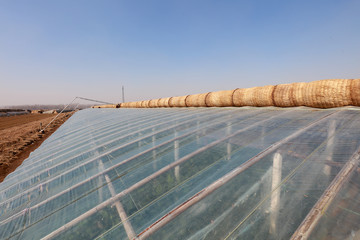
point(204, 173)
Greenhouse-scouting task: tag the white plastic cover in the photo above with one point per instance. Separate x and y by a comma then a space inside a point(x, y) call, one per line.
point(204, 173)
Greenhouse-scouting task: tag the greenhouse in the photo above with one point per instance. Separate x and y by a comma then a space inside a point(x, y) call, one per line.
point(190, 173)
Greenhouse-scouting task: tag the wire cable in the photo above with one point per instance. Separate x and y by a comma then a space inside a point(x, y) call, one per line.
point(87, 99)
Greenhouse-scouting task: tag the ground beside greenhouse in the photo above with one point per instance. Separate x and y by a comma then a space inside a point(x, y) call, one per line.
point(19, 136)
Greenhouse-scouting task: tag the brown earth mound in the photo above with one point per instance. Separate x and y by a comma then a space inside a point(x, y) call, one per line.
point(19, 136)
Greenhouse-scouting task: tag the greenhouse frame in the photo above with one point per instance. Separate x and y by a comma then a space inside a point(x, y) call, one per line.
point(190, 173)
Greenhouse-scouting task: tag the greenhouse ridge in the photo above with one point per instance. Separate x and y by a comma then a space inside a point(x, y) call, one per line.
point(318, 94)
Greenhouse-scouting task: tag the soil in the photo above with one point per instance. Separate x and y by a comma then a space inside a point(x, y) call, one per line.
point(20, 135)
point(17, 120)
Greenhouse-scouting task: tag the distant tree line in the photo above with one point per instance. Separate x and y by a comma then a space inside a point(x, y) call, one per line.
point(43, 107)
point(5, 110)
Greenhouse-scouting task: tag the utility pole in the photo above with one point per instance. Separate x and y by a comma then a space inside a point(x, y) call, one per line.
point(123, 95)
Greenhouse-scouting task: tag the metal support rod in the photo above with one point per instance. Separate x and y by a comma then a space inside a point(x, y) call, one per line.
point(139, 139)
point(42, 130)
point(76, 106)
point(93, 100)
point(307, 226)
point(228, 145)
point(101, 169)
point(197, 127)
point(153, 140)
point(330, 146)
point(275, 196)
point(122, 214)
point(176, 157)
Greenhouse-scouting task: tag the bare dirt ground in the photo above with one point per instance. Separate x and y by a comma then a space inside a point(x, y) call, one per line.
point(19, 136)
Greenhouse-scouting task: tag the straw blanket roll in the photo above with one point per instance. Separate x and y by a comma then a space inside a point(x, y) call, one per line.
point(220, 98)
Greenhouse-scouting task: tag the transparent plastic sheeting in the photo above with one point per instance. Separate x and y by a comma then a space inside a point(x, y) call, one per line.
point(183, 173)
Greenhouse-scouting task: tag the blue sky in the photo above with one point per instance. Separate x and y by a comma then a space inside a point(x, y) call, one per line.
point(52, 51)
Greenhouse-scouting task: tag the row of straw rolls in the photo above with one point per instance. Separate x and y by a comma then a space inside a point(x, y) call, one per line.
point(289, 95)
point(107, 106)
point(164, 102)
point(327, 93)
point(125, 105)
point(355, 92)
point(283, 95)
point(128, 105)
point(178, 101)
point(220, 98)
point(153, 103)
point(319, 94)
point(138, 104)
point(145, 104)
point(256, 96)
point(196, 100)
